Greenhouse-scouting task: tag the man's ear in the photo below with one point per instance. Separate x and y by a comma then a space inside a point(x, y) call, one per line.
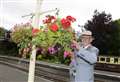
point(93, 38)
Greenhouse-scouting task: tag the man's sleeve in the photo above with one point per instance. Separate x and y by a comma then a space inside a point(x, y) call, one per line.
point(88, 55)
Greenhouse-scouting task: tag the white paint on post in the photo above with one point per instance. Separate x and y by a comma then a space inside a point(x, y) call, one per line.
point(32, 65)
point(31, 74)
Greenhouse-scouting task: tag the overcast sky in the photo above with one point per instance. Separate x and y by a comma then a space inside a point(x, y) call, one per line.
point(12, 10)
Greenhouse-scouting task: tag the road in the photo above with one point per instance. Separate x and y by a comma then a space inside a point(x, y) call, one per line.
point(9, 74)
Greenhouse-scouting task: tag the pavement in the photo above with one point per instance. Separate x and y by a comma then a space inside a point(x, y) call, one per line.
point(9, 74)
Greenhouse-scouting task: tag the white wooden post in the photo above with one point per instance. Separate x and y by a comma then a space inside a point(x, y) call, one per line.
point(31, 74)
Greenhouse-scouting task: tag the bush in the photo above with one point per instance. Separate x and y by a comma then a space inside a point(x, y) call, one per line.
point(8, 48)
point(22, 36)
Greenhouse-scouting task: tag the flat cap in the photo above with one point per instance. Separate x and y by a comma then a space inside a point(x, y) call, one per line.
point(89, 33)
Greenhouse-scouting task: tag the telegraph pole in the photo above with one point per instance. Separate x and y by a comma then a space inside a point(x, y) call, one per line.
point(31, 74)
point(35, 24)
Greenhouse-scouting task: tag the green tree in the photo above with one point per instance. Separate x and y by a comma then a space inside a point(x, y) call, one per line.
point(116, 37)
point(2, 32)
point(103, 31)
point(6, 47)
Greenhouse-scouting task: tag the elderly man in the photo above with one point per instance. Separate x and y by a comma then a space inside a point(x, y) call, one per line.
point(84, 58)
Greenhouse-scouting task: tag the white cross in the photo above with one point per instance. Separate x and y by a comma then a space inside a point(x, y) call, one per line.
point(48, 11)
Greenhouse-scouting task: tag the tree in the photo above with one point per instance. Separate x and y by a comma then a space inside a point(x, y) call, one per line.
point(116, 37)
point(2, 32)
point(7, 47)
point(103, 31)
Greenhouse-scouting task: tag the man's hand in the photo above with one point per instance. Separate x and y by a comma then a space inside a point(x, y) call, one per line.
point(77, 46)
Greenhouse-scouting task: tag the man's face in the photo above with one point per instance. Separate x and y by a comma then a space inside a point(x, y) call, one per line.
point(86, 39)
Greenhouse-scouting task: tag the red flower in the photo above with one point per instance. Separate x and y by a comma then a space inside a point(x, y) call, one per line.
point(67, 54)
point(70, 18)
point(65, 23)
point(35, 31)
point(54, 27)
point(49, 19)
point(52, 17)
point(46, 21)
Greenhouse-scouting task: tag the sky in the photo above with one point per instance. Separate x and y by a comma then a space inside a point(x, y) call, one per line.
point(11, 11)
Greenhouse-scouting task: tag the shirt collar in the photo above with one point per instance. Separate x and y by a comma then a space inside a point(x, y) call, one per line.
point(87, 46)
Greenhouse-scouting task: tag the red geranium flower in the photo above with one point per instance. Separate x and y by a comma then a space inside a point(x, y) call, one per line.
point(46, 21)
point(65, 23)
point(70, 18)
point(54, 27)
point(52, 17)
point(35, 31)
point(49, 19)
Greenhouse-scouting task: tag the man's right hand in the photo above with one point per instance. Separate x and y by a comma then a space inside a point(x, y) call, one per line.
point(77, 46)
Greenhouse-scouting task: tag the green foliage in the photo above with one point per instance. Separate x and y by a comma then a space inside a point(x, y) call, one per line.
point(64, 39)
point(8, 48)
point(49, 39)
point(44, 39)
point(39, 57)
point(104, 32)
point(2, 32)
point(22, 37)
point(116, 38)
